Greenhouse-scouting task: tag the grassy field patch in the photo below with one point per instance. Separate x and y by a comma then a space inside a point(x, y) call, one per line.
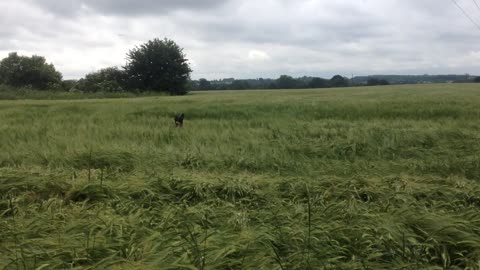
point(354, 178)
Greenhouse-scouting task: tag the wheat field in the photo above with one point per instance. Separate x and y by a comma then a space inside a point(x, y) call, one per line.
point(348, 178)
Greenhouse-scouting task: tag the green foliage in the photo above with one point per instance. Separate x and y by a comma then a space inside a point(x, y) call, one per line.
point(158, 65)
point(283, 82)
point(286, 82)
point(415, 79)
point(22, 71)
point(375, 81)
point(239, 85)
point(338, 81)
point(109, 160)
point(318, 83)
point(203, 84)
point(15, 93)
point(109, 79)
point(347, 178)
point(69, 85)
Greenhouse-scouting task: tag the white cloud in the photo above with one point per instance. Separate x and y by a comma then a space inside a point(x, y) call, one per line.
point(256, 55)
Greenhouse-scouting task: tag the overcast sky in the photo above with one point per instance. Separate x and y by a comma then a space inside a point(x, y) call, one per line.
point(251, 38)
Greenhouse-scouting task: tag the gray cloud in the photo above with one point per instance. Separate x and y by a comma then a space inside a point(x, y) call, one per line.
point(123, 7)
point(249, 38)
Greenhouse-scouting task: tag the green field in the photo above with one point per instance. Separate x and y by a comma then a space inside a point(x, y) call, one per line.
point(354, 178)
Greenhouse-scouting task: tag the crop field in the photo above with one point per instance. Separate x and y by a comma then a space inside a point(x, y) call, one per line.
point(347, 178)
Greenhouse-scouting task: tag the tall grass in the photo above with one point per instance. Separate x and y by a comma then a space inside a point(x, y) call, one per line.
point(22, 93)
point(364, 178)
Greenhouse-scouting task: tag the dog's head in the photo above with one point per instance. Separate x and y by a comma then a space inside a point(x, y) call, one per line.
point(179, 119)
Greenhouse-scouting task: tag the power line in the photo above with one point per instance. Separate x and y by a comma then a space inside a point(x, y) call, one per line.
point(466, 14)
point(476, 4)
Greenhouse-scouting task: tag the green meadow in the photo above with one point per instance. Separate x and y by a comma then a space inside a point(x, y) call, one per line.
point(346, 178)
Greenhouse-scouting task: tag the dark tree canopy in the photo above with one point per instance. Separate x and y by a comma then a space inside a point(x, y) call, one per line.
point(109, 79)
point(375, 81)
point(204, 84)
point(477, 79)
point(338, 81)
point(318, 83)
point(34, 71)
point(239, 85)
point(286, 82)
point(158, 65)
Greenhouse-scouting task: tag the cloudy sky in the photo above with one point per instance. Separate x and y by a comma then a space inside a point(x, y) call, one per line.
point(251, 38)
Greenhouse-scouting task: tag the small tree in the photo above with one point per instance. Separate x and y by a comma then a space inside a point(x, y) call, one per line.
point(204, 84)
point(158, 65)
point(318, 83)
point(286, 82)
point(338, 81)
point(31, 71)
point(109, 79)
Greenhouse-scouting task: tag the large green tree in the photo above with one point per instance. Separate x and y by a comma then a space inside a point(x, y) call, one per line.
point(158, 65)
point(34, 71)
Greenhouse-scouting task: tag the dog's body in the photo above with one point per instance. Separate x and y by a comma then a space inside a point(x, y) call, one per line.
point(179, 120)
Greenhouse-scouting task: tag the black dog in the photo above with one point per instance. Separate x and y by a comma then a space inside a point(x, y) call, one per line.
point(179, 120)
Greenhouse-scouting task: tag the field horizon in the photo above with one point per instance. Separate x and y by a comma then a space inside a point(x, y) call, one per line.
point(384, 177)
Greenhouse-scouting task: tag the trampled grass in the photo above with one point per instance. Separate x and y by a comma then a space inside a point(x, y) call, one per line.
point(357, 178)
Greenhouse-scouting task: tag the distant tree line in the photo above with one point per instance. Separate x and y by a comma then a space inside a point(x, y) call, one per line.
point(415, 79)
point(156, 66)
point(161, 66)
point(288, 82)
point(283, 82)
